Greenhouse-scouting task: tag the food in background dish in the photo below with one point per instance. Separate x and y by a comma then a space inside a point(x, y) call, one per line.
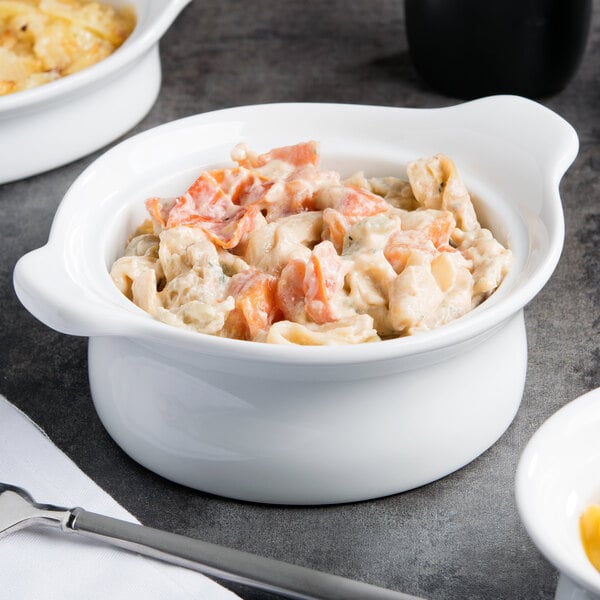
point(43, 40)
point(277, 249)
point(589, 528)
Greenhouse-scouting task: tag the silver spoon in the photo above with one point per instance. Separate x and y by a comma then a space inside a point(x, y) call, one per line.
point(18, 510)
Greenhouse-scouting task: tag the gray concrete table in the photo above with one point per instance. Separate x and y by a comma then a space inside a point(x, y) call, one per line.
point(458, 538)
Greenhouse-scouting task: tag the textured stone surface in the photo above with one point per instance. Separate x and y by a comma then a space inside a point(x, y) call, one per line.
point(458, 538)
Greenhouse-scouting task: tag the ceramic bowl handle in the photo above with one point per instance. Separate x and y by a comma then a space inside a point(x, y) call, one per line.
point(527, 125)
point(46, 289)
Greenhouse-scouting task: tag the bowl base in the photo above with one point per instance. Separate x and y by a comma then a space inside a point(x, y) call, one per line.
point(307, 442)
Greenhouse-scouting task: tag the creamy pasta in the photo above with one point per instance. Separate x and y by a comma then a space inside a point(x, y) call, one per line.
point(43, 40)
point(276, 249)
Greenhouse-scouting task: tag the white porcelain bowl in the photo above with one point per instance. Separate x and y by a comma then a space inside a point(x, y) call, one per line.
point(558, 477)
point(58, 122)
point(292, 424)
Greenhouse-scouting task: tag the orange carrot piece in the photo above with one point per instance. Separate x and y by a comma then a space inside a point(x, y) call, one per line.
point(432, 239)
point(324, 277)
point(290, 290)
point(242, 185)
point(335, 227)
point(255, 300)
point(298, 155)
point(228, 234)
point(439, 233)
point(157, 211)
point(204, 200)
point(358, 204)
point(352, 202)
point(207, 205)
point(400, 245)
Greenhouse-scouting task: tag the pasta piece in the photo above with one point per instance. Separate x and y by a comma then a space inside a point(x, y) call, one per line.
point(491, 261)
point(259, 247)
point(414, 297)
point(144, 291)
point(296, 235)
point(182, 247)
point(436, 184)
point(271, 247)
point(371, 233)
point(396, 192)
point(352, 330)
point(191, 287)
point(358, 180)
point(145, 244)
point(127, 269)
point(368, 282)
point(231, 264)
point(456, 282)
point(444, 269)
point(198, 316)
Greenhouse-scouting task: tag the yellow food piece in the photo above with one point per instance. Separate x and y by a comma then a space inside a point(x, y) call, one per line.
point(589, 529)
point(42, 40)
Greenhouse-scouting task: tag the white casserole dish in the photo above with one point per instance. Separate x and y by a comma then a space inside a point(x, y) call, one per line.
point(305, 425)
point(58, 122)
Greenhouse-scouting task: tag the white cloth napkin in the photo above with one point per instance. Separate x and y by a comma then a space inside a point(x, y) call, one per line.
point(43, 563)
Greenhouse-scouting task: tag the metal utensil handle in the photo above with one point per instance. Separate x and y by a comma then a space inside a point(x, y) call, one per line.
point(226, 563)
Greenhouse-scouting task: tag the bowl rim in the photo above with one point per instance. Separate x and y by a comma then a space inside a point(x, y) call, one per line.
point(141, 39)
point(586, 403)
point(477, 324)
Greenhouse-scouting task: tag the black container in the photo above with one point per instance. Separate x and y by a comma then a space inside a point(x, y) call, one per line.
point(471, 48)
